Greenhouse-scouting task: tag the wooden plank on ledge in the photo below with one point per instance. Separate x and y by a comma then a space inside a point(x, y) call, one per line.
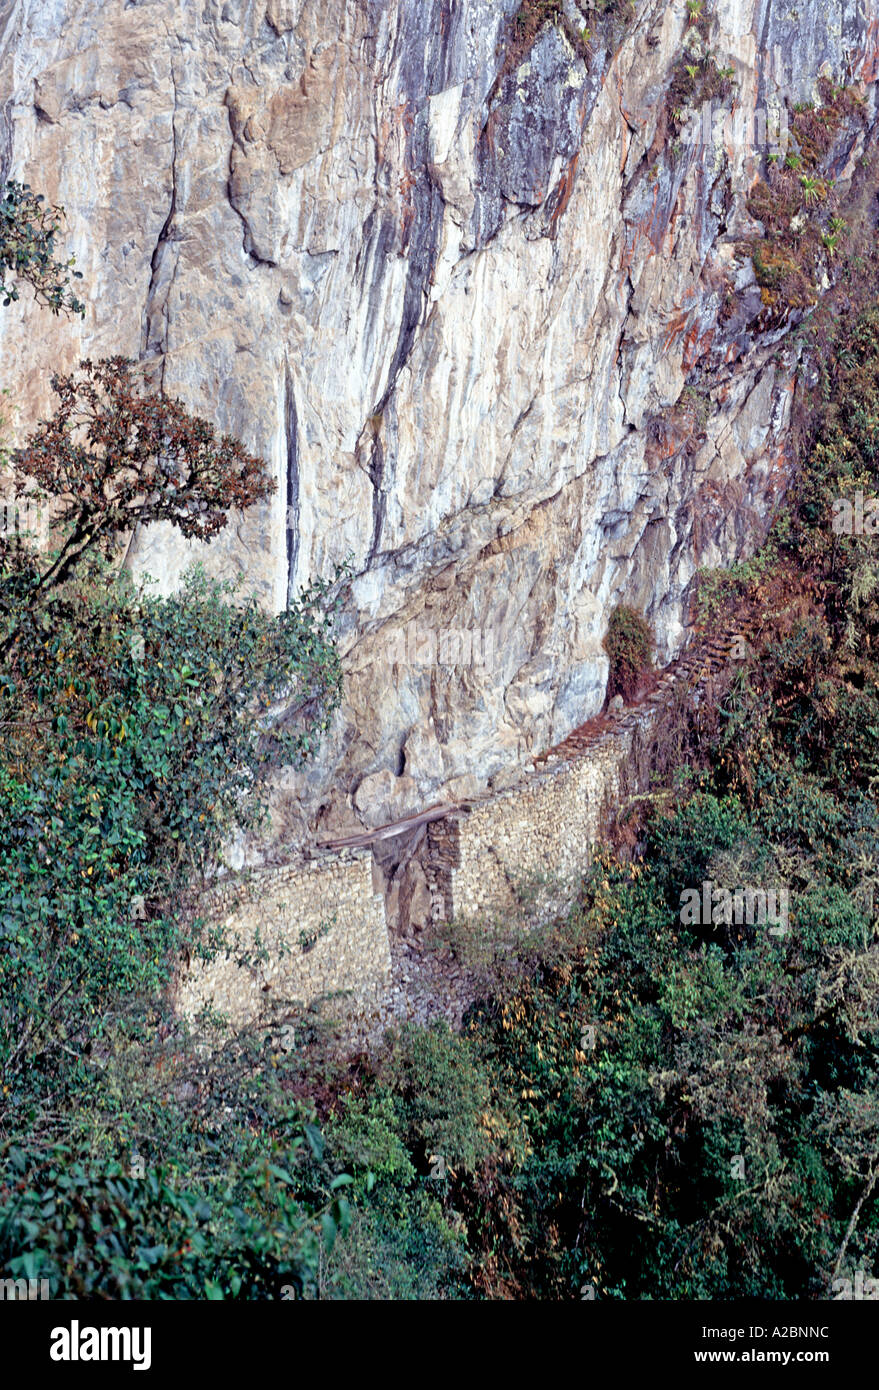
point(386, 832)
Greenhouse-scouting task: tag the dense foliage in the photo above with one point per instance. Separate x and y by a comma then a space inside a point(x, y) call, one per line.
point(134, 733)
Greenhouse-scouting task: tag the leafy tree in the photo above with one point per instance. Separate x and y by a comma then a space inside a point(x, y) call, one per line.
point(134, 732)
point(28, 233)
point(115, 456)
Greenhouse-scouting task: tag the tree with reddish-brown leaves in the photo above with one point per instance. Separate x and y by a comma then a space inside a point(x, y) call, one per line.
point(115, 456)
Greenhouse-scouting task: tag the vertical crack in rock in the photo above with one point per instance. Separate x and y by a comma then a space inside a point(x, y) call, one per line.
point(247, 235)
point(423, 245)
point(291, 515)
point(155, 314)
point(240, 200)
point(376, 477)
point(5, 142)
point(423, 53)
point(424, 68)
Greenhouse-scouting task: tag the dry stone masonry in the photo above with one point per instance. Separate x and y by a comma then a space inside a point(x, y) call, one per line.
point(540, 831)
point(294, 934)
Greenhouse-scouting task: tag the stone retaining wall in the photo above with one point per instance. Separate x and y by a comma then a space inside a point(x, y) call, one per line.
point(294, 934)
point(542, 830)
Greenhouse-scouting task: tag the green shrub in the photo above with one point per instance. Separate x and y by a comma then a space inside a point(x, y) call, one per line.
point(629, 645)
point(28, 234)
point(442, 1096)
point(94, 1231)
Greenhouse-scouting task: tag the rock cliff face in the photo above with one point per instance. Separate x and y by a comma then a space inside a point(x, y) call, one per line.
point(475, 289)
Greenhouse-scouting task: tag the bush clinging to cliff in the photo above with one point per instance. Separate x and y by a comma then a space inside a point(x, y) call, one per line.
point(28, 232)
point(629, 645)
